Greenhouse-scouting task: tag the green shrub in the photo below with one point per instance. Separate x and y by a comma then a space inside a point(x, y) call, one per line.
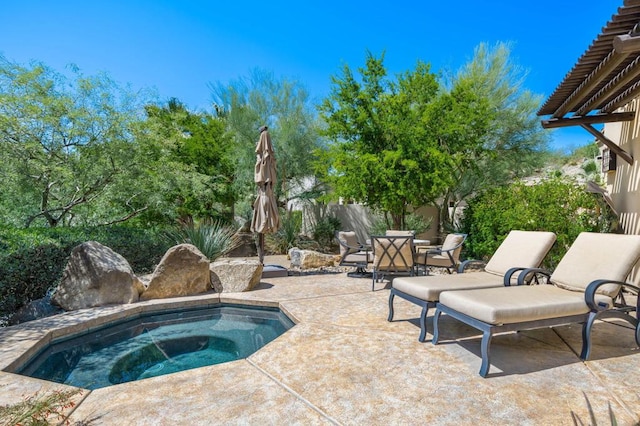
point(325, 229)
point(555, 205)
point(32, 260)
point(212, 238)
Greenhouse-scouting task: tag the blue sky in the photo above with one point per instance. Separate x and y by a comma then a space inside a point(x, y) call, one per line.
point(179, 47)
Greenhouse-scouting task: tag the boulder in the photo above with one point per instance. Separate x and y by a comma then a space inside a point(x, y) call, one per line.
point(182, 271)
point(246, 245)
point(235, 275)
point(309, 259)
point(95, 275)
point(36, 309)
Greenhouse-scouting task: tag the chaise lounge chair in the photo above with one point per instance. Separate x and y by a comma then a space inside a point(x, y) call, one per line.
point(519, 250)
point(586, 285)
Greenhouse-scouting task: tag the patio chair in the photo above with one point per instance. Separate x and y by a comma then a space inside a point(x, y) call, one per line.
point(519, 250)
point(586, 285)
point(446, 256)
point(353, 253)
point(392, 256)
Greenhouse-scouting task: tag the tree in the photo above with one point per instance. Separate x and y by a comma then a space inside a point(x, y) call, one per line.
point(64, 142)
point(383, 154)
point(284, 106)
point(511, 144)
point(201, 145)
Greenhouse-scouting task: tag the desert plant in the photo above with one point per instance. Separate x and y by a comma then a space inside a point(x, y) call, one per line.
point(287, 235)
point(212, 238)
point(38, 409)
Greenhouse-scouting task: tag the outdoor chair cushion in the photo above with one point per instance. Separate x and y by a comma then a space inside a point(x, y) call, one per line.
point(349, 238)
point(399, 233)
point(515, 250)
point(507, 305)
point(582, 264)
point(361, 257)
point(387, 258)
point(429, 288)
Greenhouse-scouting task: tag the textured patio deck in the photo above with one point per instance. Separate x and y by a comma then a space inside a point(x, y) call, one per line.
point(343, 363)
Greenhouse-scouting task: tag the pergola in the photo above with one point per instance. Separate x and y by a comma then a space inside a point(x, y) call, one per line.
point(605, 78)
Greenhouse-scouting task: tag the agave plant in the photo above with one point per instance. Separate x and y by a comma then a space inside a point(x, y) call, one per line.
point(212, 238)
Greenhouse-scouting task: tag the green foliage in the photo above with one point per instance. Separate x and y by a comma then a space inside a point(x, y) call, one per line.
point(590, 167)
point(285, 107)
point(287, 236)
point(384, 153)
point(324, 231)
point(504, 137)
point(67, 145)
point(32, 260)
point(212, 238)
point(199, 160)
point(413, 222)
point(555, 205)
point(39, 410)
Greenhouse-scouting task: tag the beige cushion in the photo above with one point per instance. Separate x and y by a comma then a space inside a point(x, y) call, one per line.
point(361, 257)
point(393, 254)
point(429, 287)
point(595, 256)
point(451, 241)
point(398, 233)
point(507, 305)
point(526, 249)
point(349, 238)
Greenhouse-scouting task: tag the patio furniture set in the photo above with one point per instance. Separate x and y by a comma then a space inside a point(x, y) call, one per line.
point(512, 292)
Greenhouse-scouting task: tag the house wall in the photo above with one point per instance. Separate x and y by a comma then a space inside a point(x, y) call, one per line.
point(623, 184)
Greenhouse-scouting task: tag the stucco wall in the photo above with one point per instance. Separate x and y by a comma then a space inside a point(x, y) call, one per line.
point(623, 184)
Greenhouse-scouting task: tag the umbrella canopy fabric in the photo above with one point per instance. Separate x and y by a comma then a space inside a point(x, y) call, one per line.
point(265, 208)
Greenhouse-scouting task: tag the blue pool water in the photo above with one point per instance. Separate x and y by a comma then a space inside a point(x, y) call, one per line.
point(157, 344)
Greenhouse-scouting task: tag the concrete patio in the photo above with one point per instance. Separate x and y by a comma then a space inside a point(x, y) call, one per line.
point(343, 363)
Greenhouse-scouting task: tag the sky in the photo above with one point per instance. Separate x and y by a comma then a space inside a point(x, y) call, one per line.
point(179, 48)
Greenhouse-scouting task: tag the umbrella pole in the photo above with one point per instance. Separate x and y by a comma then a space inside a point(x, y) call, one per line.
point(261, 247)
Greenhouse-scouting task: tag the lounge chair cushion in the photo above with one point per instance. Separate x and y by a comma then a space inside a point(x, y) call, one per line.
point(582, 264)
point(429, 288)
point(515, 250)
point(508, 305)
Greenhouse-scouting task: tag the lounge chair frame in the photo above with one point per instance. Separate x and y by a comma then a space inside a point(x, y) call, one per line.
point(619, 310)
point(426, 305)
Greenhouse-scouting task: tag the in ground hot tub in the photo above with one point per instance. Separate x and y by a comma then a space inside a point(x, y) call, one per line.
point(154, 344)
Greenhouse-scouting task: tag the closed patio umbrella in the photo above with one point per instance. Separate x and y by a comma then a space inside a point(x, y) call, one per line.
point(265, 208)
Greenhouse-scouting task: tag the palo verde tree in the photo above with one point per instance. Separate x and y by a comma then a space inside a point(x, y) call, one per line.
point(285, 107)
point(509, 142)
point(64, 142)
point(383, 154)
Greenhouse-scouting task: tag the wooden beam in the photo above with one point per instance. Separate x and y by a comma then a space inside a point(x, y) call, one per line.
point(630, 73)
point(623, 98)
point(609, 143)
point(588, 119)
point(626, 43)
point(608, 64)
